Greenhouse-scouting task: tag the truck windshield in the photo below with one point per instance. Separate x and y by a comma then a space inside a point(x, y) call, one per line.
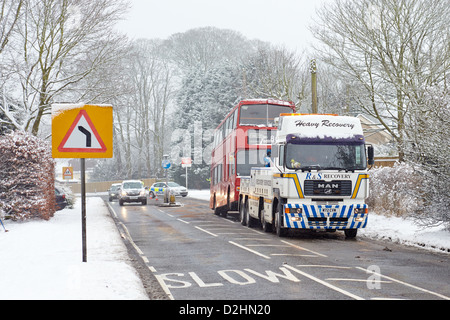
point(325, 157)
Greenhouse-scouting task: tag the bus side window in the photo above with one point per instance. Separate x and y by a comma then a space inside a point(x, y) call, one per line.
point(235, 118)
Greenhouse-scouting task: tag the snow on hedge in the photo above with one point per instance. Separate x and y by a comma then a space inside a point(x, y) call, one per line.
point(26, 177)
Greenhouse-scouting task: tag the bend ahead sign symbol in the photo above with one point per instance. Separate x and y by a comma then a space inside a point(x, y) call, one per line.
point(88, 136)
point(85, 139)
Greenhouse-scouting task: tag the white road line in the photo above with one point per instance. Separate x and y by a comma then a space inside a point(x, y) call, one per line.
point(301, 248)
point(250, 250)
point(267, 245)
point(357, 280)
point(210, 233)
point(250, 239)
point(230, 221)
point(164, 286)
point(326, 284)
point(405, 284)
point(293, 255)
point(183, 221)
point(321, 266)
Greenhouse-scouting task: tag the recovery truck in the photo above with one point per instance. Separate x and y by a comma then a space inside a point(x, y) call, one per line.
point(316, 177)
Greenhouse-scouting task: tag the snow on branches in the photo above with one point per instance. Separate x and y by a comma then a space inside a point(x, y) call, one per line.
point(26, 177)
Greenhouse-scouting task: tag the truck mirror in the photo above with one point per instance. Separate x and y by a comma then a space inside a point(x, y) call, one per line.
point(371, 155)
point(274, 151)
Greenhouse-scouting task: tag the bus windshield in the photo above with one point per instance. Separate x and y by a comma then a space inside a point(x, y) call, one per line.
point(306, 157)
point(261, 114)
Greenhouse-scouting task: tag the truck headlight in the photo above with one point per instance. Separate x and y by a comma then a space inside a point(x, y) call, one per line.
point(361, 210)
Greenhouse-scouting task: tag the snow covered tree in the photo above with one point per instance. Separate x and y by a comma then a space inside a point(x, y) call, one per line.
point(203, 101)
point(9, 14)
point(386, 49)
point(277, 73)
point(206, 47)
point(27, 173)
point(59, 43)
point(428, 151)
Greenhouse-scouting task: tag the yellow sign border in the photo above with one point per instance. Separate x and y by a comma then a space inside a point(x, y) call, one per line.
point(63, 118)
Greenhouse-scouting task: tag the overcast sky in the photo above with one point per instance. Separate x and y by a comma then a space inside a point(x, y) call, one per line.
point(277, 21)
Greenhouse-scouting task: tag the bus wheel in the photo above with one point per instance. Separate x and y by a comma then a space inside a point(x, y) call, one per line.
point(216, 210)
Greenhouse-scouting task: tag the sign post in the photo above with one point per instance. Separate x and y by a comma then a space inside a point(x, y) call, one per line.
point(83, 132)
point(166, 166)
point(186, 163)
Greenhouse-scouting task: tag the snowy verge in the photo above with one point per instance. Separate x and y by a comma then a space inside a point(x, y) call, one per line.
point(397, 230)
point(42, 259)
point(405, 231)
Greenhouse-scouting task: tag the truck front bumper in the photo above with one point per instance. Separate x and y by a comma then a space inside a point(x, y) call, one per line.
point(325, 217)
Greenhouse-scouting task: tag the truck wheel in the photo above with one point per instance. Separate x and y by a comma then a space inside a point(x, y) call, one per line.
point(249, 220)
point(351, 233)
point(242, 214)
point(267, 227)
point(281, 232)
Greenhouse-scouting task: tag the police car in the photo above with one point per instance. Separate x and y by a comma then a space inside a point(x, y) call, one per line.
point(157, 189)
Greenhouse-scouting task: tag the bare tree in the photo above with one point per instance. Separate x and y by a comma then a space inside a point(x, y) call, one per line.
point(386, 49)
point(9, 14)
point(60, 43)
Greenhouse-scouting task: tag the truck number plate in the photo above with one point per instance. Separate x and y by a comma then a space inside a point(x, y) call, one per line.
point(328, 210)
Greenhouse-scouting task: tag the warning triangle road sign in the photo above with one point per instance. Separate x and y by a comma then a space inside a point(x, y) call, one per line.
point(82, 136)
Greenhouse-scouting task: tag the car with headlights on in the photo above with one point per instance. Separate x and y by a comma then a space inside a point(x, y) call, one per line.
point(113, 191)
point(132, 191)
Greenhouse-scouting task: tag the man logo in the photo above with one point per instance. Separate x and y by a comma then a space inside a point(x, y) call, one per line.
point(328, 186)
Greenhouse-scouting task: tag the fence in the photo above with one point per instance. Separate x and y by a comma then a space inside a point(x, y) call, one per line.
point(385, 161)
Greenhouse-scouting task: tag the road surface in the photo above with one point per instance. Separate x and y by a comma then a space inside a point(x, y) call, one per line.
point(196, 255)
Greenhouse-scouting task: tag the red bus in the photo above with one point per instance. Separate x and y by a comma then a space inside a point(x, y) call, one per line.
point(241, 142)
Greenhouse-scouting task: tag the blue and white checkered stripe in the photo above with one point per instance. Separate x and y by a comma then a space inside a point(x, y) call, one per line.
point(311, 211)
